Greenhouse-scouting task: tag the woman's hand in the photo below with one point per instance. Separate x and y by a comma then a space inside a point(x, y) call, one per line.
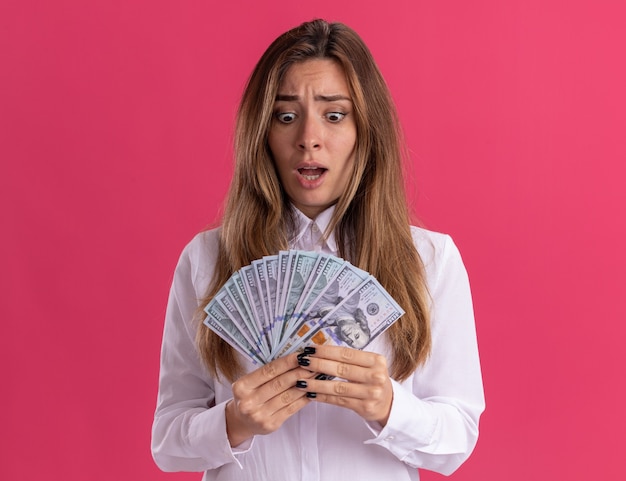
point(264, 399)
point(367, 388)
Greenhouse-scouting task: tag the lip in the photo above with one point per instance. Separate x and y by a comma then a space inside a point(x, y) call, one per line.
point(312, 179)
point(310, 164)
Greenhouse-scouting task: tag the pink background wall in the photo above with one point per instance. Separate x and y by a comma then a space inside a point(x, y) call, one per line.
point(115, 133)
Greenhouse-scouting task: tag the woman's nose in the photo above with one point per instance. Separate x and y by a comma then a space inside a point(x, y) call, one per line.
point(310, 136)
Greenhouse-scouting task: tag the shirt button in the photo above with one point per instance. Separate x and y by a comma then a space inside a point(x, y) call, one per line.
point(314, 228)
point(390, 438)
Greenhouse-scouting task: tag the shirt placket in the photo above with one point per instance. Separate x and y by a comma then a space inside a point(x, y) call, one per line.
point(315, 236)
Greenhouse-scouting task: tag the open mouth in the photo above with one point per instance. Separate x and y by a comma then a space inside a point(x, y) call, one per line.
point(311, 173)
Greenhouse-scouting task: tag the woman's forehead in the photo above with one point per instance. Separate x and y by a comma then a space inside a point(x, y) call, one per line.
point(321, 77)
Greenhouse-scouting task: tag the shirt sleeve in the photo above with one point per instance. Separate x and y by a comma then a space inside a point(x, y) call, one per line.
point(433, 422)
point(189, 430)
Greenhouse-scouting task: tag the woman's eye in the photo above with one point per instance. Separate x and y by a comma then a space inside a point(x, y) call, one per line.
point(335, 116)
point(286, 117)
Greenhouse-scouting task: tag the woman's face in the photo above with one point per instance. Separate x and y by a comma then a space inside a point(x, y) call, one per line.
point(313, 134)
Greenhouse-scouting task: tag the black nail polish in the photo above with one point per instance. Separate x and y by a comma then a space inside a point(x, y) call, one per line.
point(322, 377)
point(303, 361)
point(301, 384)
point(311, 395)
point(308, 350)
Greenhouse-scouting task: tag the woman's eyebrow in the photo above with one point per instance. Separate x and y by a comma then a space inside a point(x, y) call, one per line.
point(332, 98)
point(319, 98)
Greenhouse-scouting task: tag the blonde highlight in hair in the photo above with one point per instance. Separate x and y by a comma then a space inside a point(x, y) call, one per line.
point(371, 217)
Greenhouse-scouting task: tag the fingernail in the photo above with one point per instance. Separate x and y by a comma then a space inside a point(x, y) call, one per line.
point(322, 377)
point(303, 361)
point(311, 395)
point(308, 350)
point(301, 384)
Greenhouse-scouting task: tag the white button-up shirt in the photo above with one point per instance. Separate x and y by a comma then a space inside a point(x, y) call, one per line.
point(433, 422)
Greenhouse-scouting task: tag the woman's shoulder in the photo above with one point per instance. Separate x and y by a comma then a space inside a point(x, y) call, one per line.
point(203, 243)
point(199, 256)
point(435, 249)
point(429, 243)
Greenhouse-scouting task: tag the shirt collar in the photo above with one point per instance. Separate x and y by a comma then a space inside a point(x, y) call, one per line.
point(304, 225)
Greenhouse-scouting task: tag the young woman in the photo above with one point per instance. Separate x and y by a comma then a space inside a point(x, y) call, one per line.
point(319, 168)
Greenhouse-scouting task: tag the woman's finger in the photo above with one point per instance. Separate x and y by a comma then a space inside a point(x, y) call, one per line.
point(266, 373)
point(347, 363)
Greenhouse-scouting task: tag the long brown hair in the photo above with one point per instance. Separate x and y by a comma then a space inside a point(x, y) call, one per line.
point(371, 217)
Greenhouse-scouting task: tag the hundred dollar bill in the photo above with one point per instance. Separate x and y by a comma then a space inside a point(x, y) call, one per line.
point(223, 326)
point(285, 260)
point(260, 280)
point(356, 321)
point(303, 263)
point(284, 274)
point(273, 288)
point(271, 268)
point(258, 309)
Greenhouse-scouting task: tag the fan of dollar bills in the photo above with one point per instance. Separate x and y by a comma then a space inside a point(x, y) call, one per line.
point(281, 303)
